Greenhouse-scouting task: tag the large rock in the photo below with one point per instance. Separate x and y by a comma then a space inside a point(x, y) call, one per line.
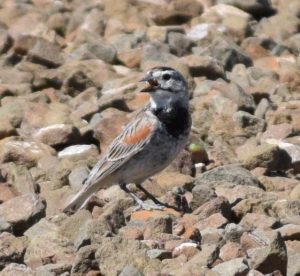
point(48, 248)
point(23, 211)
point(233, 267)
point(23, 152)
point(227, 52)
point(46, 53)
point(271, 253)
point(114, 254)
point(57, 135)
point(234, 174)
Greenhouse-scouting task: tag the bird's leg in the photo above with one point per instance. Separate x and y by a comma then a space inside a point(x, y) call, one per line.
point(141, 203)
point(154, 199)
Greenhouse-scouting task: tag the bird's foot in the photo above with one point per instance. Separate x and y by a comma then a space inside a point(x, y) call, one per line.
point(145, 206)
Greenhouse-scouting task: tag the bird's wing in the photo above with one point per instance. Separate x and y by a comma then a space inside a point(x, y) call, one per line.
point(131, 140)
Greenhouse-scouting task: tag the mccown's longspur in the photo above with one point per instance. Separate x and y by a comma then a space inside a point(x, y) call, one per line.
point(148, 143)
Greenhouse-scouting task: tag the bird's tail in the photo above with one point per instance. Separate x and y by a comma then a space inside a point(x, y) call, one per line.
point(80, 200)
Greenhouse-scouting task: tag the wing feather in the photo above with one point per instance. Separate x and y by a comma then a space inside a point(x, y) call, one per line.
point(132, 139)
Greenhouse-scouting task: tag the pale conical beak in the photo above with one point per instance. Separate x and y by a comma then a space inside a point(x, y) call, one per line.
point(151, 83)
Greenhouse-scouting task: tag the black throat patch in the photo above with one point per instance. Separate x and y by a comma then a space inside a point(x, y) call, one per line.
point(176, 120)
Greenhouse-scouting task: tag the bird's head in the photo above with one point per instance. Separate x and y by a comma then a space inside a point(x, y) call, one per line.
point(165, 80)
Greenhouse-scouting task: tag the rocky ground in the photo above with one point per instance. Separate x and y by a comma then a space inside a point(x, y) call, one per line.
point(68, 82)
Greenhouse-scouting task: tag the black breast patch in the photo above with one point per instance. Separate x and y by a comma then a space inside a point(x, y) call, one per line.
point(176, 120)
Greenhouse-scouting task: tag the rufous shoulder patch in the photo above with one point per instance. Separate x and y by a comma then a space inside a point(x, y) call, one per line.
point(140, 135)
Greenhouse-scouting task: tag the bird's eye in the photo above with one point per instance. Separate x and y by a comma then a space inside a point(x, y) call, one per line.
point(166, 76)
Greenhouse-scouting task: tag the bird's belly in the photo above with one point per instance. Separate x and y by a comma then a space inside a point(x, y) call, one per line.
point(154, 158)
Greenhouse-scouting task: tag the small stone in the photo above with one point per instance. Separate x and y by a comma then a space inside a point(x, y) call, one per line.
point(214, 221)
point(85, 104)
point(211, 235)
point(96, 50)
point(20, 178)
point(56, 135)
point(58, 269)
point(7, 192)
point(292, 151)
point(130, 58)
point(12, 249)
point(201, 195)
point(84, 261)
point(17, 270)
point(295, 193)
point(5, 41)
point(293, 265)
point(5, 226)
point(290, 232)
point(6, 129)
point(248, 122)
point(114, 254)
point(78, 152)
point(280, 131)
point(159, 254)
point(77, 176)
point(46, 53)
point(46, 247)
point(235, 267)
point(130, 271)
point(23, 152)
point(213, 206)
point(252, 221)
point(270, 253)
point(23, 211)
point(156, 226)
point(231, 250)
point(264, 155)
point(204, 66)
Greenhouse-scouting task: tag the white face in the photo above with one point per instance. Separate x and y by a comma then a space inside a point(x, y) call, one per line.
point(167, 86)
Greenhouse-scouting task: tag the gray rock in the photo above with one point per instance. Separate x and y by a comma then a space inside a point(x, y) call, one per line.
point(251, 124)
point(271, 255)
point(96, 50)
point(262, 108)
point(263, 155)
point(130, 271)
point(201, 194)
point(234, 174)
point(255, 7)
point(5, 41)
point(77, 177)
point(179, 43)
point(46, 53)
point(23, 211)
point(233, 232)
point(227, 52)
point(12, 249)
point(159, 254)
point(19, 270)
point(56, 269)
point(57, 134)
point(46, 246)
point(20, 178)
point(114, 254)
point(84, 260)
point(5, 226)
point(293, 268)
point(78, 152)
point(234, 267)
point(14, 76)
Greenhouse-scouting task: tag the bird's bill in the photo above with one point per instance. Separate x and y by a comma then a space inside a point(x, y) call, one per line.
point(150, 84)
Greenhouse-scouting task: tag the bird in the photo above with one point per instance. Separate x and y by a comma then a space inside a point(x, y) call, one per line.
point(147, 144)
